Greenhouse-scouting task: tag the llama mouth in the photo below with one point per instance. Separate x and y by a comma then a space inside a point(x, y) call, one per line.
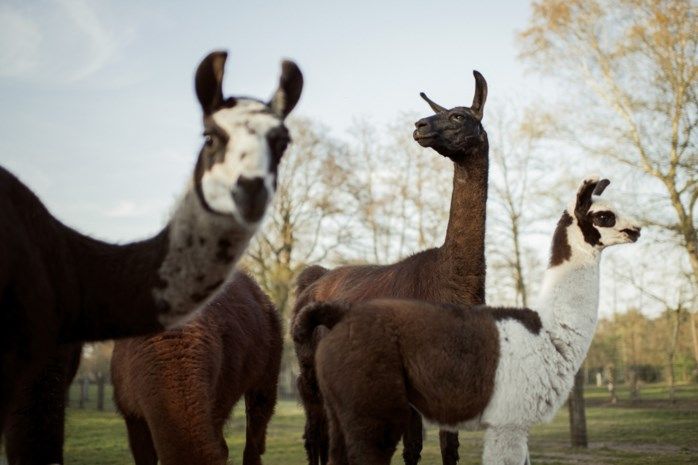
point(251, 198)
point(422, 139)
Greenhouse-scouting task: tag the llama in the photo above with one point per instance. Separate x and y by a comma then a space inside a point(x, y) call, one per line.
point(58, 286)
point(501, 369)
point(176, 389)
point(452, 273)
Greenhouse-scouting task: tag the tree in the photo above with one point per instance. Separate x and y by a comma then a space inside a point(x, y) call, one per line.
point(517, 182)
point(634, 65)
point(309, 218)
point(308, 222)
point(400, 190)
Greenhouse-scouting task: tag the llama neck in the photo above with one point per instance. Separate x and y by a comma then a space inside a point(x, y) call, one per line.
point(568, 304)
point(464, 246)
point(144, 286)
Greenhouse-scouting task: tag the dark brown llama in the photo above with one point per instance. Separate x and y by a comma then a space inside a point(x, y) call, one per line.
point(59, 288)
point(453, 273)
point(176, 389)
point(500, 369)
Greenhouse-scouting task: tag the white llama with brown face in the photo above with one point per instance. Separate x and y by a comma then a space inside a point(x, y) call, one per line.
point(58, 286)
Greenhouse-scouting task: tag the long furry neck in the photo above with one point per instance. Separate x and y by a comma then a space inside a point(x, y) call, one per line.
point(464, 246)
point(568, 304)
point(203, 247)
point(136, 288)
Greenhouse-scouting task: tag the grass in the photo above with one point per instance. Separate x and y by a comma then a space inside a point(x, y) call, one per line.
point(649, 432)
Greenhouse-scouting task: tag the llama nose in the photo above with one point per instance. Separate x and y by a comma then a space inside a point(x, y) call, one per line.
point(250, 196)
point(421, 124)
point(633, 233)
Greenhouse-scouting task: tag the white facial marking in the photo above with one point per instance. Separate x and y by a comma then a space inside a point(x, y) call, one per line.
point(247, 154)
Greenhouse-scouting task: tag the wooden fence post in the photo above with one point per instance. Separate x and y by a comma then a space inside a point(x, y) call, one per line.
point(100, 391)
point(84, 386)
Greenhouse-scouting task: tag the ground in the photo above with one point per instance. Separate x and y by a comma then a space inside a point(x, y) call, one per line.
point(651, 432)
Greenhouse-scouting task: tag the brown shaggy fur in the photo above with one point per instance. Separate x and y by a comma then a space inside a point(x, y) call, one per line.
point(398, 345)
point(453, 273)
point(176, 389)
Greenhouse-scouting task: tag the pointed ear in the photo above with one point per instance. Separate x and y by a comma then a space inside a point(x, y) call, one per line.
point(480, 97)
point(289, 91)
point(601, 186)
point(434, 106)
point(586, 189)
point(209, 81)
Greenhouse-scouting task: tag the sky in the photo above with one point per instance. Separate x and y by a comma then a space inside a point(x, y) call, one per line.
point(97, 109)
point(98, 113)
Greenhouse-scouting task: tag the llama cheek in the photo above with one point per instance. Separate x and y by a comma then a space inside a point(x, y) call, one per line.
point(217, 191)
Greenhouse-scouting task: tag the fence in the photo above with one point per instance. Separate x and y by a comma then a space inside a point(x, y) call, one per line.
point(90, 394)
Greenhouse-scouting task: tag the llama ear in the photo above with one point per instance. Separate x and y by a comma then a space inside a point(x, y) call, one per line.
point(434, 106)
point(289, 92)
point(601, 186)
point(478, 106)
point(209, 81)
point(586, 189)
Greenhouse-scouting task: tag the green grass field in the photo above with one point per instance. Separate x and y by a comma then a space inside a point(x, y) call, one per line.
point(651, 432)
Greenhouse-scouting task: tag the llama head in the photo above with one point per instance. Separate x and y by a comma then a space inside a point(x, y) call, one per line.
point(591, 223)
point(244, 139)
point(455, 132)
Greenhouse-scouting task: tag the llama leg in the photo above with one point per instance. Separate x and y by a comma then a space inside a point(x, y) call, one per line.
point(186, 434)
point(412, 440)
point(259, 406)
point(315, 433)
point(338, 449)
point(505, 446)
point(448, 440)
point(140, 441)
point(372, 440)
point(35, 428)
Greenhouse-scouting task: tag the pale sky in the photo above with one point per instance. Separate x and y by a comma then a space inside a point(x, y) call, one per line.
point(98, 114)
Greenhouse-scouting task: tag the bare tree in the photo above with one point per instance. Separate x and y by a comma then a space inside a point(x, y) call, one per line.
point(401, 192)
point(634, 65)
point(308, 221)
point(517, 181)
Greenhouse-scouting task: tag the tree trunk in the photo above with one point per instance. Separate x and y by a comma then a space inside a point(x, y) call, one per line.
point(672, 352)
point(578, 420)
point(694, 335)
point(634, 391)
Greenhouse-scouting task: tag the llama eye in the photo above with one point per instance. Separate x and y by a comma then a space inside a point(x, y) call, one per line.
point(458, 118)
point(208, 140)
point(605, 219)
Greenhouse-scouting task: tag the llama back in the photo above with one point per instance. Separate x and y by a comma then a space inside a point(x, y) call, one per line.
point(409, 278)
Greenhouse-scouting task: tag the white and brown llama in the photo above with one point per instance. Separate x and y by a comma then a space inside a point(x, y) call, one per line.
point(58, 286)
point(502, 369)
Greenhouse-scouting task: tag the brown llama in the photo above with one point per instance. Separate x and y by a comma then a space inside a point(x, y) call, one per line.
point(453, 273)
point(500, 369)
point(176, 389)
point(59, 288)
